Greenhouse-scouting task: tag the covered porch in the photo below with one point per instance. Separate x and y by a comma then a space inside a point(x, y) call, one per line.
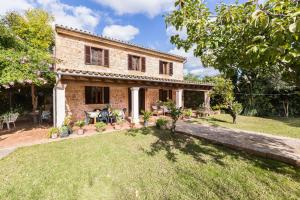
point(77, 92)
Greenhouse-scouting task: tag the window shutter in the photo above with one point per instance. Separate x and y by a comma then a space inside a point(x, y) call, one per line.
point(170, 95)
point(143, 64)
point(160, 67)
point(160, 94)
point(171, 69)
point(129, 62)
point(106, 58)
point(106, 95)
point(87, 52)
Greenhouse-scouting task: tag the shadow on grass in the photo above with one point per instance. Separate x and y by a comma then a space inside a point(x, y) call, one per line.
point(205, 152)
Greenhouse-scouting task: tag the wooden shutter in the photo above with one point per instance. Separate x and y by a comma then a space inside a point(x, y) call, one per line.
point(106, 95)
point(170, 95)
point(87, 52)
point(106, 58)
point(171, 69)
point(160, 94)
point(161, 67)
point(129, 62)
point(143, 64)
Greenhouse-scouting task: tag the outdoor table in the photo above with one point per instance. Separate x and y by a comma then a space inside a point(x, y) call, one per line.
point(93, 115)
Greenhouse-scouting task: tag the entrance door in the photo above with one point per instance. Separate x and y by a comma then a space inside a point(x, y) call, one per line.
point(141, 100)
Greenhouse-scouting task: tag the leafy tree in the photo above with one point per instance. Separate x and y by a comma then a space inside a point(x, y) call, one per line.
point(191, 77)
point(25, 45)
point(222, 96)
point(175, 114)
point(245, 42)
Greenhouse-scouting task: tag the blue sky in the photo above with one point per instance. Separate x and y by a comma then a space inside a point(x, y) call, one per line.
point(137, 21)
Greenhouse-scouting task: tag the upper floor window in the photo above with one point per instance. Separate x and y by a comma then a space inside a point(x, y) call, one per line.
point(165, 68)
point(96, 95)
point(96, 56)
point(136, 63)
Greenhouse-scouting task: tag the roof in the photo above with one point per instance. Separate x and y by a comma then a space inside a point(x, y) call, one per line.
point(72, 72)
point(58, 28)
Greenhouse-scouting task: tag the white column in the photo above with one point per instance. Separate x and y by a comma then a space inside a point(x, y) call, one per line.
point(59, 104)
point(206, 99)
point(179, 98)
point(135, 105)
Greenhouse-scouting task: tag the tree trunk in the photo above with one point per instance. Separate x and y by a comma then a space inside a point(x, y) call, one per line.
point(232, 114)
point(285, 104)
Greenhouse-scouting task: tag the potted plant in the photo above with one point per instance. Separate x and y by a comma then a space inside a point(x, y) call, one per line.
point(67, 123)
point(187, 113)
point(100, 126)
point(161, 123)
point(117, 119)
point(53, 133)
point(146, 116)
point(80, 124)
point(64, 131)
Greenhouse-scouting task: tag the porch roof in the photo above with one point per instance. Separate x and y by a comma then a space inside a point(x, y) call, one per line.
point(132, 79)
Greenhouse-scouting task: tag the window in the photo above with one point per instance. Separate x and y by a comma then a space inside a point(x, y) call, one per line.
point(96, 56)
point(165, 95)
point(96, 95)
point(165, 68)
point(136, 63)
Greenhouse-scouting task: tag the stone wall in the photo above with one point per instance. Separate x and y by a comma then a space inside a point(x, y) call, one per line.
point(75, 99)
point(70, 51)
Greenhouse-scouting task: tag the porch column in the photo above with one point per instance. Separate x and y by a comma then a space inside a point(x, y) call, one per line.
point(179, 98)
point(59, 104)
point(135, 105)
point(206, 99)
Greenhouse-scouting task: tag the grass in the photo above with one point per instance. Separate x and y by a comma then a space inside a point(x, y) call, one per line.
point(289, 127)
point(142, 164)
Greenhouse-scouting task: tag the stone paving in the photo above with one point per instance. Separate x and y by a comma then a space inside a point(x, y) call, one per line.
point(274, 147)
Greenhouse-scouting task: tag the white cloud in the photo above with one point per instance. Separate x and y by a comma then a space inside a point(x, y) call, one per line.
point(149, 7)
point(16, 5)
point(75, 16)
point(125, 33)
point(193, 64)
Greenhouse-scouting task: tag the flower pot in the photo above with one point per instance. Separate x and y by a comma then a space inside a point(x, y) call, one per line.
point(117, 127)
point(145, 123)
point(54, 136)
point(80, 131)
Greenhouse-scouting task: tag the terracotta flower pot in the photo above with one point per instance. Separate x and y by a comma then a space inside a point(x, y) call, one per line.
point(54, 136)
point(80, 131)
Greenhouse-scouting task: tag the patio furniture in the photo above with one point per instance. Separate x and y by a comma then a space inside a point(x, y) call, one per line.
point(45, 115)
point(92, 115)
point(156, 110)
point(104, 116)
point(165, 110)
point(10, 118)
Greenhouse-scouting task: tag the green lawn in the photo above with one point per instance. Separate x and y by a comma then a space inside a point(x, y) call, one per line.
point(289, 127)
point(142, 164)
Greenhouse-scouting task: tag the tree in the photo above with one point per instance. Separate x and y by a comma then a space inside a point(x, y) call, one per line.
point(222, 96)
point(175, 114)
point(245, 42)
point(25, 56)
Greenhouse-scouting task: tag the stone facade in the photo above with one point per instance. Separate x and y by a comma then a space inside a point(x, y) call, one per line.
point(70, 52)
point(75, 98)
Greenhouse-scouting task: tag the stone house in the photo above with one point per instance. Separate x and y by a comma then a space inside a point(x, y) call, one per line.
point(94, 71)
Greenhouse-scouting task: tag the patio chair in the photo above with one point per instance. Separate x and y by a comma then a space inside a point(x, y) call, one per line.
point(165, 110)
point(156, 111)
point(45, 115)
point(10, 118)
point(103, 116)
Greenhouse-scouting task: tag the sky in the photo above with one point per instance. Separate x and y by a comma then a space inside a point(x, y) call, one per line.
point(137, 21)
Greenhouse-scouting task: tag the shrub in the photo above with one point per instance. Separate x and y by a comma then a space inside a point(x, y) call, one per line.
point(68, 120)
point(175, 114)
point(100, 126)
point(53, 131)
point(160, 122)
point(80, 123)
point(187, 112)
point(146, 115)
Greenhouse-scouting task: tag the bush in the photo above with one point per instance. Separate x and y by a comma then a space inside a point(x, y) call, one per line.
point(160, 122)
point(53, 131)
point(80, 123)
point(100, 126)
point(68, 120)
point(187, 112)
